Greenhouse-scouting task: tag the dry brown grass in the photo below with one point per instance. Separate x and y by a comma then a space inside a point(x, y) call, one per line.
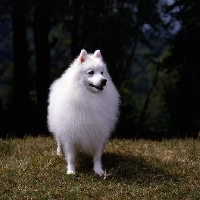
point(135, 169)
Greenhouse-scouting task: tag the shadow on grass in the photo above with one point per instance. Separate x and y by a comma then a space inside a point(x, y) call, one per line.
point(132, 168)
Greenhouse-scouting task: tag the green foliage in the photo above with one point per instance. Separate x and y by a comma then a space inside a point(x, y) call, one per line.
point(135, 169)
point(134, 38)
point(184, 59)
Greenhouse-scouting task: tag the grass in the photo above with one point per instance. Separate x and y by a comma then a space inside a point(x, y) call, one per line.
point(135, 169)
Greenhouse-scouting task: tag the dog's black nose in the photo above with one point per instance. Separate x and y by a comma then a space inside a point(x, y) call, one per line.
point(103, 82)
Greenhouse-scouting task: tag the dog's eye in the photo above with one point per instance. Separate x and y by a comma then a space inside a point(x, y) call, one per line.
point(101, 73)
point(91, 72)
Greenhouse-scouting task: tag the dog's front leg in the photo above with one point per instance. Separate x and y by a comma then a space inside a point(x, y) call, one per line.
point(97, 163)
point(70, 156)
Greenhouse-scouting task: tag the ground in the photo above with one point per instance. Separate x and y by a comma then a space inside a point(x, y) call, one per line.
point(135, 169)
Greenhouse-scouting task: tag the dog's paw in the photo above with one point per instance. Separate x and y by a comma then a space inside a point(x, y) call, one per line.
point(99, 171)
point(59, 153)
point(70, 172)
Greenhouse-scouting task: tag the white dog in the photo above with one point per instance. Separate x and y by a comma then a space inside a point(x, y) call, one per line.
point(83, 109)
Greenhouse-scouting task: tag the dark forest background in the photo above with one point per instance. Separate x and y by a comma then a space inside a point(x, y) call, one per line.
point(151, 48)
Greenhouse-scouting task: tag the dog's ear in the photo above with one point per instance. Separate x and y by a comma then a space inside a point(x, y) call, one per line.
point(83, 55)
point(97, 54)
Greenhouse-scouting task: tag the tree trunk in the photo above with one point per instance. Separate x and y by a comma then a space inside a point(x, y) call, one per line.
point(42, 52)
point(75, 26)
point(21, 86)
point(146, 104)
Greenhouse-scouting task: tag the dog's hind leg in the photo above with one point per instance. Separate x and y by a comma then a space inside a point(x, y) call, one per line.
point(59, 148)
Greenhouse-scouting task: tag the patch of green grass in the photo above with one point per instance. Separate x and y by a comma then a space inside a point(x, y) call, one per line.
point(135, 169)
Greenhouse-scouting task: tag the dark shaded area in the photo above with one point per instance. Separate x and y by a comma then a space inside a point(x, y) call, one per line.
point(21, 81)
point(41, 29)
point(184, 99)
point(156, 135)
point(134, 168)
point(151, 50)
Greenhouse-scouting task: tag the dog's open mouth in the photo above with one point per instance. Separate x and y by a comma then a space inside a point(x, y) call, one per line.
point(96, 87)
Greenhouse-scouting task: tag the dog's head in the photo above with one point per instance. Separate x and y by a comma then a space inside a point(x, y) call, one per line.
point(93, 69)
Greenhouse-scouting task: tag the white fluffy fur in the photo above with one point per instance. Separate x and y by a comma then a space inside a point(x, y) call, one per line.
point(82, 117)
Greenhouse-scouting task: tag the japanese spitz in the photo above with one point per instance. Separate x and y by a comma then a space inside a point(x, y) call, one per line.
point(83, 109)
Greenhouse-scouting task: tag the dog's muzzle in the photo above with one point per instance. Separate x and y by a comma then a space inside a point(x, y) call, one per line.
point(100, 87)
